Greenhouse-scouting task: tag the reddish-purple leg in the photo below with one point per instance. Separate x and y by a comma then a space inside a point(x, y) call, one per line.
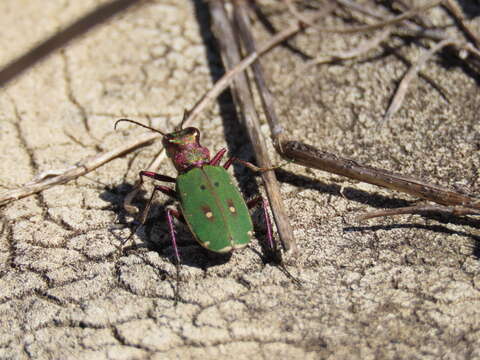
point(156, 176)
point(164, 189)
point(167, 191)
point(247, 164)
point(171, 227)
point(172, 193)
point(266, 216)
point(277, 256)
point(217, 158)
point(127, 203)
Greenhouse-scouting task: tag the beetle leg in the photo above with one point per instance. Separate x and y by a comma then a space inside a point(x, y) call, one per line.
point(277, 255)
point(155, 176)
point(164, 189)
point(127, 203)
point(178, 214)
point(217, 158)
point(249, 165)
point(167, 191)
point(266, 216)
point(171, 228)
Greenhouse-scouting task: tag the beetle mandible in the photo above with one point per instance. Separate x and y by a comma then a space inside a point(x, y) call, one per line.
point(210, 204)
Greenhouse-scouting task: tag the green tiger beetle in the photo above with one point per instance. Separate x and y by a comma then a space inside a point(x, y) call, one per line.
point(210, 204)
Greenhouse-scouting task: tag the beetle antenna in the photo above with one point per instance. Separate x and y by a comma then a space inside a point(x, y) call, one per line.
point(139, 124)
point(186, 113)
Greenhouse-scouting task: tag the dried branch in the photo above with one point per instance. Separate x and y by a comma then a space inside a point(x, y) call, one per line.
point(410, 28)
point(228, 44)
point(349, 54)
point(243, 25)
point(308, 155)
point(305, 19)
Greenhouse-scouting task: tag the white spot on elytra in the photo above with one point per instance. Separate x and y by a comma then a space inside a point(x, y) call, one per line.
point(239, 246)
point(209, 214)
point(225, 249)
point(250, 233)
point(232, 209)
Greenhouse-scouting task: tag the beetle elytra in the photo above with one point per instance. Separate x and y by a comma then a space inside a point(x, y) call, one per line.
point(210, 204)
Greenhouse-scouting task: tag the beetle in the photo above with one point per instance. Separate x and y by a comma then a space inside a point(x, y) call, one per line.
point(210, 204)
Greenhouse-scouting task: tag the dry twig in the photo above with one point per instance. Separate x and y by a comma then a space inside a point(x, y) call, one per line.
point(225, 35)
point(349, 54)
point(45, 180)
point(309, 156)
point(410, 28)
point(226, 79)
point(410, 75)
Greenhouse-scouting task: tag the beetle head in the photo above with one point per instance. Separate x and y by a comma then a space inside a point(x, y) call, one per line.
point(182, 146)
point(184, 149)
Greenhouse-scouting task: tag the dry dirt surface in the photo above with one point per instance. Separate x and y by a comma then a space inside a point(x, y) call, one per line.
point(406, 287)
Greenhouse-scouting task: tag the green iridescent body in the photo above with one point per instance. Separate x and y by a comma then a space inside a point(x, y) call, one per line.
point(214, 209)
point(210, 203)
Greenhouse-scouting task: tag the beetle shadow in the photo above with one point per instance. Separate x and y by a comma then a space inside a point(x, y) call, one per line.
point(384, 202)
point(154, 234)
point(470, 9)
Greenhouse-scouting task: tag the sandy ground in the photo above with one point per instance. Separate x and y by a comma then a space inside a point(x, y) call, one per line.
point(405, 287)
